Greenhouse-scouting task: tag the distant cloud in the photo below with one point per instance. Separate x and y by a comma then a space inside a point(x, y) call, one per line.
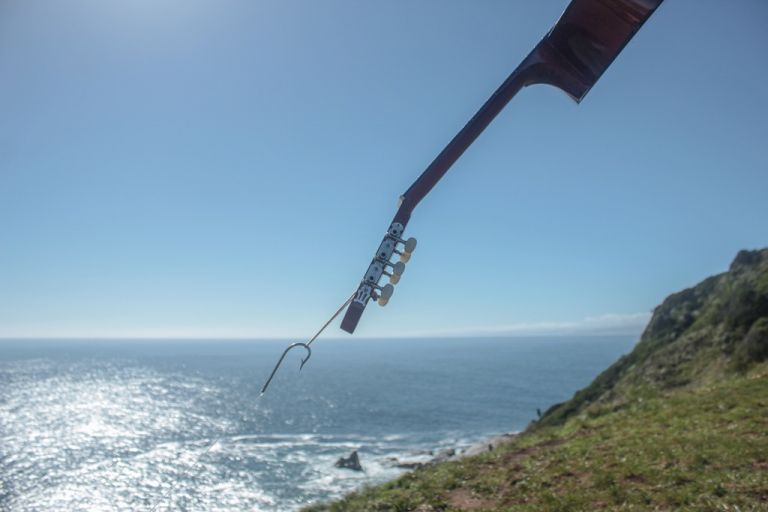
point(608, 324)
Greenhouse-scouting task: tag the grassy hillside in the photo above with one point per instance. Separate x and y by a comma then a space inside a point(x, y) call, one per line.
point(681, 423)
point(695, 337)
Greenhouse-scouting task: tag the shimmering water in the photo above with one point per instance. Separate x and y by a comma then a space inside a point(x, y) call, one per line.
point(129, 425)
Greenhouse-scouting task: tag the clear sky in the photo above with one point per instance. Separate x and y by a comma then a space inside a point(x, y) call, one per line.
point(228, 167)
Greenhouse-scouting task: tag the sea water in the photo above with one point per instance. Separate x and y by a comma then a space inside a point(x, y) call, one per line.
point(179, 425)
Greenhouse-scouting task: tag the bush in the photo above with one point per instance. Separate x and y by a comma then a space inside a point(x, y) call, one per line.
point(754, 347)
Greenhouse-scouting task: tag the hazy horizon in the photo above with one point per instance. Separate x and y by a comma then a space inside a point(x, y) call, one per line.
point(609, 325)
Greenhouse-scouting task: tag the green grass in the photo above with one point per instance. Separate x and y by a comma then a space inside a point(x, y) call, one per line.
point(680, 423)
point(684, 449)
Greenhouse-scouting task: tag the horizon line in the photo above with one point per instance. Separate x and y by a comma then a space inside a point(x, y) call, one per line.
point(330, 338)
point(611, 324)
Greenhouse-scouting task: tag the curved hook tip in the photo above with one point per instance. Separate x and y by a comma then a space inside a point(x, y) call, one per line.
point(280, 361)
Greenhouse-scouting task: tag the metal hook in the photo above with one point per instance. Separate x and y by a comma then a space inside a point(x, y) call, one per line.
point(280, 361)
point(307, 344)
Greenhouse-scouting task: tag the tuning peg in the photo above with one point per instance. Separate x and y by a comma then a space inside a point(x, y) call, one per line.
point(393, 278)
point(404, 256)
point(408, 245)
point(386, 293)
point(397, 268)
point(397, 271)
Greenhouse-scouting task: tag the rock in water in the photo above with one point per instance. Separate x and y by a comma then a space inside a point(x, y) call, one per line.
point(351, 462)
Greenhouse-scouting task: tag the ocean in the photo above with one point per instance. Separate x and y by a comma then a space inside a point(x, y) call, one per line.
point(137, 425)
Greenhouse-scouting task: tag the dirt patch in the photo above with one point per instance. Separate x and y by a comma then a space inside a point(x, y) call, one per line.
point(522, 453)
point(464, 499)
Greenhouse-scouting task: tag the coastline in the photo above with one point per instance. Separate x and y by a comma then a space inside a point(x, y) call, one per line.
point(452, 454)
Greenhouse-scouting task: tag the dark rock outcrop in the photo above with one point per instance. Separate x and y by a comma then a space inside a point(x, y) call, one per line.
point(352, 462)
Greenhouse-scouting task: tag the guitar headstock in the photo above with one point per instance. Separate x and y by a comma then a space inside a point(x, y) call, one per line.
point(572, 57)
point(381, 266)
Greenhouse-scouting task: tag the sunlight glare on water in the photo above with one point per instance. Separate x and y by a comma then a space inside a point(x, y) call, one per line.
point(109, 427)
point(92, 435)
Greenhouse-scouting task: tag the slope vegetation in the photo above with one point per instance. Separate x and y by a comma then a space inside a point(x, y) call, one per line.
point(680, 423)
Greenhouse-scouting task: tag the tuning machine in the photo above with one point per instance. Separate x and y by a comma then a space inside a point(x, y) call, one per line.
point(397, 270)
point(383, 266)
point(408, 247)
point(385, 293)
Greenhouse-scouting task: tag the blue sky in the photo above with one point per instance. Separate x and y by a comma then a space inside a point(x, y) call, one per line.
point(227, 168)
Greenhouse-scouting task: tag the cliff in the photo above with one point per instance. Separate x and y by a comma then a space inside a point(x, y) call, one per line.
point(695, 337)
point(679, 423)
